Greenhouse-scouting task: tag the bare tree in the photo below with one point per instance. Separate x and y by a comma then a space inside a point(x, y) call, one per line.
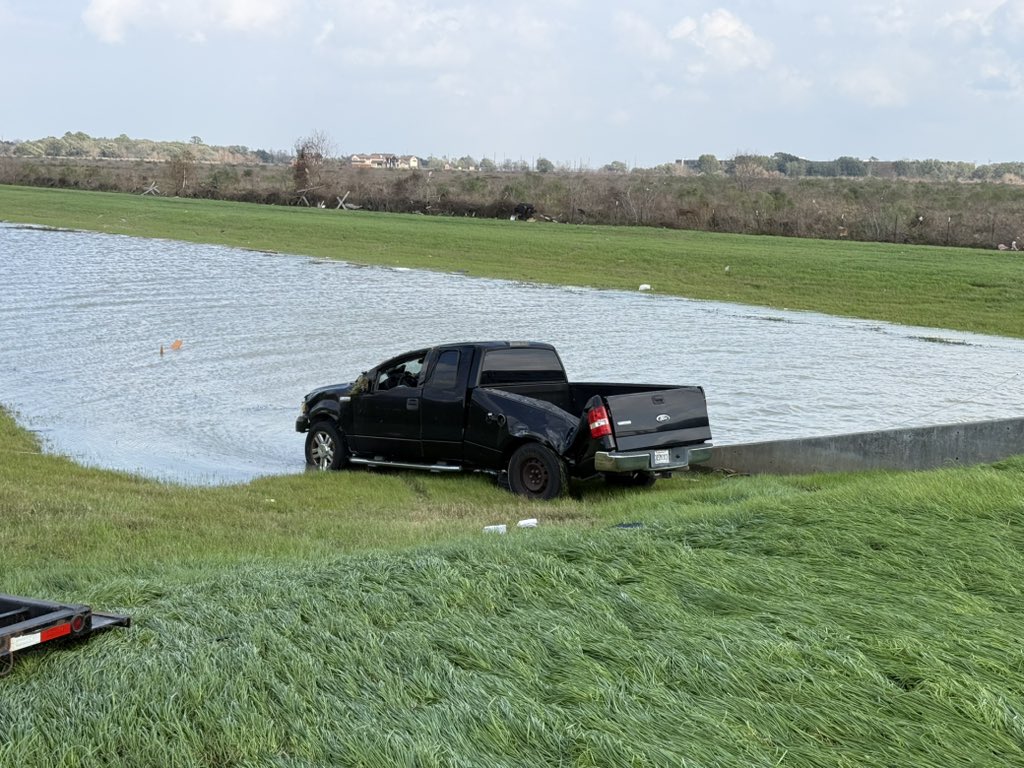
point(311, 155)
point(641, 195)
point(182, 169)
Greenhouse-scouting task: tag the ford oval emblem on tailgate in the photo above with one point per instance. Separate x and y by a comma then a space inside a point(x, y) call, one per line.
point(663, 417)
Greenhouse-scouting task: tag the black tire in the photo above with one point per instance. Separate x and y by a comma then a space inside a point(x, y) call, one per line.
point(631, 479)
point(534, 471)
point(325, 447)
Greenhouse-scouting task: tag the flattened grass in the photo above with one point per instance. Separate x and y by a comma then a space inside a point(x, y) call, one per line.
point(958, 288)
point(831, 620)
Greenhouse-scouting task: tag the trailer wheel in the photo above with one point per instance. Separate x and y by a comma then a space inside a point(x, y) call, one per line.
point(535, 472)
point(631, 479)
point(325, 447)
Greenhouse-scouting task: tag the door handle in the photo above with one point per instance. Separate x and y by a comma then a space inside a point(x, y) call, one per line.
point(412, 404)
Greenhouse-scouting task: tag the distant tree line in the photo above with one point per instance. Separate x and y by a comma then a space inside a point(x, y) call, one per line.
point(81, 145)
point(780, 164)
point(920, 202)
point(791, 166)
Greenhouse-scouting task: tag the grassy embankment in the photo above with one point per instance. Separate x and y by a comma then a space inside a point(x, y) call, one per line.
point(360, 619)
point(849, 620)
point(915, 285)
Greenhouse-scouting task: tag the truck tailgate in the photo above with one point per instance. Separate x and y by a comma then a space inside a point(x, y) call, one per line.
point(676, 416)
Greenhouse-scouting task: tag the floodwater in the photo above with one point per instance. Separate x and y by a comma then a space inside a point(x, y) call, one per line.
point(83, 317)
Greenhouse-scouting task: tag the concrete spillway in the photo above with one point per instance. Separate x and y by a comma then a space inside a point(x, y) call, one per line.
point(979, 442)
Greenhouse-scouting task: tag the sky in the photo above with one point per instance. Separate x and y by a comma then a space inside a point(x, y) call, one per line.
point(581, 83)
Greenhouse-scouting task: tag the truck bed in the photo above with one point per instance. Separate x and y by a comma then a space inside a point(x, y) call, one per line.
point(635, 409)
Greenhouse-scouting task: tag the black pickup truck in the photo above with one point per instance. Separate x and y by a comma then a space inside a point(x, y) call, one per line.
point(504, 406)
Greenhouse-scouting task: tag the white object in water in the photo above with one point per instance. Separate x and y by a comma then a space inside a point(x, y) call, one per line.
point(495, 528)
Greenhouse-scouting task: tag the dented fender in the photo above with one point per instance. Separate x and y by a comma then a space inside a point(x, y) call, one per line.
point(500, 419)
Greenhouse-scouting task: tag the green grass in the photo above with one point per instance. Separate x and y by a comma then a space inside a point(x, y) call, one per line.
point(363, 619)
point(360, 619)
point(918, 285)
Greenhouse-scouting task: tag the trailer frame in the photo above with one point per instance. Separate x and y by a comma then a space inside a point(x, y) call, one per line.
point(26, 622)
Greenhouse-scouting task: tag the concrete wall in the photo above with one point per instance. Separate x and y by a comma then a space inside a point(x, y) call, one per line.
point(979, 442)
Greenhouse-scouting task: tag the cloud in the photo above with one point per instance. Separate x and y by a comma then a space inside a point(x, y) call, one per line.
point(641, 36)
point(874, 87)
point(108, 19)
point(250, 14)
point(415, 35)
point(523, 25)
point(325, 33)
point(454, 85)
point(965, 23)
point(1007, 21)
point(111, 20)
point(823, 25)
point(792, 85)
point(983, 57)
point(725, 42)
point(996, 72)
point(660, 91)
point(619, 117)
point(7, 17)
point(477, 42)
point(887, 19)
point(985, 20)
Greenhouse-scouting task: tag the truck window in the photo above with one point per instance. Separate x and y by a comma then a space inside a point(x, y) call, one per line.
point(401, 373)
point(446, 371)
point(520, 365)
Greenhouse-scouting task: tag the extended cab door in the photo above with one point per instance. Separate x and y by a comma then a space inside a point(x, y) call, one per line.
point(386, 419)
point(443, 405)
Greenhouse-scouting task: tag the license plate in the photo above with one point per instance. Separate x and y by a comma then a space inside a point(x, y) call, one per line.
point(662, 457)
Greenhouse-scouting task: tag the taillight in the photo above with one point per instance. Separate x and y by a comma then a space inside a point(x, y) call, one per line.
point(598, 419)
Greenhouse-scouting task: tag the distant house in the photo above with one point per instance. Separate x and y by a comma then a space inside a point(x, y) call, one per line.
point(384, 160)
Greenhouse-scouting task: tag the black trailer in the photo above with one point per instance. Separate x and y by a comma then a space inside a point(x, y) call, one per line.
point(25, 622)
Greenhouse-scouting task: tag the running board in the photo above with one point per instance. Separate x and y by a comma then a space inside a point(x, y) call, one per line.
point(405, 465)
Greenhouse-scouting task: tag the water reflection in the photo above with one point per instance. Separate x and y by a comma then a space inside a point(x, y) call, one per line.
point(83, 317)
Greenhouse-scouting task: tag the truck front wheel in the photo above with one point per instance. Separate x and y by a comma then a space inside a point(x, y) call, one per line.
point(325, 447)
point(535, 472)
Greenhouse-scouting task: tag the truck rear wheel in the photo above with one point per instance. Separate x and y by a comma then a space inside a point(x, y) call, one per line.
point(325, 447)
point(535, 472)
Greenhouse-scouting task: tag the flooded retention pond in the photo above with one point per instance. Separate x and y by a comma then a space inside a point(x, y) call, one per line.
point(83, 317)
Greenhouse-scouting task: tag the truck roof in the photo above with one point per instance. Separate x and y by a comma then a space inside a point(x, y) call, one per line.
point(498, 344)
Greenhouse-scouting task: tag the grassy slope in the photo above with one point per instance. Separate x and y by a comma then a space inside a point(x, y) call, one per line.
point(842, 620)
point(361, 619)
point(938, 287)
